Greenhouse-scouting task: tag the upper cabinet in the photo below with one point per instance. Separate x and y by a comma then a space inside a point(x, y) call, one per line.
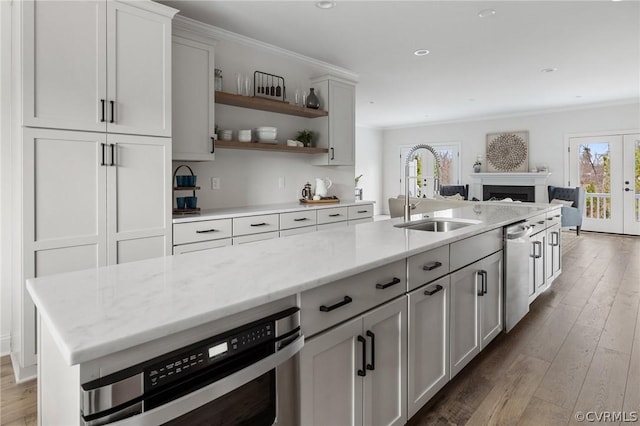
point(101, 66)
point(193, 99)
point(337, 132)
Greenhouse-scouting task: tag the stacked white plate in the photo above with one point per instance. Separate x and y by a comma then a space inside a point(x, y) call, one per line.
point(244, 135)
point(267, 134)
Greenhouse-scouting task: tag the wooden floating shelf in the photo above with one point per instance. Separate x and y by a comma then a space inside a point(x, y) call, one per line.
point(263, 104)
point(185, 188)
point(256, 146)
point(186, 211)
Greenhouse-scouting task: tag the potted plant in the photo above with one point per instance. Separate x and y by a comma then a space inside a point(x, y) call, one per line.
point(358, 180)
point(305, 136)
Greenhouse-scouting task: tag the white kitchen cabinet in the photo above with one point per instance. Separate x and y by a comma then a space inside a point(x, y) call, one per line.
point(91, 199)
point(97, 66)
point(428, 343)
point(552, 253)
point(476, 309)
point(355, 373)
point(337, 131)
point(193, 76)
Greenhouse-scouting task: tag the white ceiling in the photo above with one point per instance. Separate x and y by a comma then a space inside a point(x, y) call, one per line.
point(477, 67)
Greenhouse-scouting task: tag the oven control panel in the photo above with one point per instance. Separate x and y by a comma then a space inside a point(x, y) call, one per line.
point(205, 354)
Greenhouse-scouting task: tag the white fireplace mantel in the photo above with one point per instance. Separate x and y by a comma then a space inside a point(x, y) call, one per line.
point(538, 180)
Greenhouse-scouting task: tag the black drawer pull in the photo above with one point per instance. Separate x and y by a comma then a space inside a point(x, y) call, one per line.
point(300, 219)
point(363, 211)
point(541, 222)
point(113, 154)
point(335, 215)
point(345, 301)
point(259, 224)
point(549, 218)
point(372, 366)
point(389, 284)
point(213, 145)
point(113, 113)
point(432, 266)
point(363, 371)
point(102, 117)
point(104, 149)
point(434, 291)
point(204, 231)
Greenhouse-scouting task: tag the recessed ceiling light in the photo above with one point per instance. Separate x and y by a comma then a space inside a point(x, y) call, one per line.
point(578, 96)
point(485, 13)
point(371, 102)
point(547, 70)
point(421, 52)
point(325, 4)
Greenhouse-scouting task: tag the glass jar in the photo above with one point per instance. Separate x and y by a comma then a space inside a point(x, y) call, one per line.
point(218, 80)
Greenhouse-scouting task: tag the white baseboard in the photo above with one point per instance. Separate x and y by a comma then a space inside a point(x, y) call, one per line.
point(23, 374)
point(5, 344)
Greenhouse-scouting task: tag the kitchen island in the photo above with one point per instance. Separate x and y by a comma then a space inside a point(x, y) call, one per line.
point(113, 314)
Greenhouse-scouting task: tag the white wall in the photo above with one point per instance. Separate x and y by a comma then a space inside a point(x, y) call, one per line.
point(252, 177)
point(546, 138)
point(369, 164)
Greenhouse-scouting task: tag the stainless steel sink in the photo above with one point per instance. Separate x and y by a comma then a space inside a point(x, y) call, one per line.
point(437, 224)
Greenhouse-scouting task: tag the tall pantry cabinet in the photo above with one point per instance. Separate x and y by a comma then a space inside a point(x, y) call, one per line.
point(96, 141)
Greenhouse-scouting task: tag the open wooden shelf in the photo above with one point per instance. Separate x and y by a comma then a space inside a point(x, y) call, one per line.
point(256, 146)
point(268, 105)
point(185, 188)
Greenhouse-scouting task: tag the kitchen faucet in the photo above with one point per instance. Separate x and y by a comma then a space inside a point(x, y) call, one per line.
point(436, 180)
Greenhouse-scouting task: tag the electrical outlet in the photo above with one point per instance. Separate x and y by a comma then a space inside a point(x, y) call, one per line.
point(281, 182)
point(215, 183)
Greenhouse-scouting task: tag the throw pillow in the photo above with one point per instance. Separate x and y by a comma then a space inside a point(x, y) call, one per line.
point(563, 202)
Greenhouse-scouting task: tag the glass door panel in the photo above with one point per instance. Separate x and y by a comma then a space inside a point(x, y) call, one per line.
point(631, 184)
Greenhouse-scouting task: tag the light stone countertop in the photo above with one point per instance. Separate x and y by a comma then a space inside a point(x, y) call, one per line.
point(96, 312)
point(230, 212)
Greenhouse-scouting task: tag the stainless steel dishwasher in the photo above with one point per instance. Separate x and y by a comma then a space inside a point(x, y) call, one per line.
point(516, 273)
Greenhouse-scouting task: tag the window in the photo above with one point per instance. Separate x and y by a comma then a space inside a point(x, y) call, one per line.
point(422, 169)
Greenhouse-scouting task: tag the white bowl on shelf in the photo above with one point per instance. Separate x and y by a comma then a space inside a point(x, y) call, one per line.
point(266, 133)
point(225, 135)
point(244, 135)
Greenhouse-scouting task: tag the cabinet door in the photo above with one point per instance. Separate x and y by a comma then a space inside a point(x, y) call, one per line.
point(538, 254)
point(342, 110)
point(193, 100)
point(139, 198)
point(465, 327)
point(330, 387)
point(139, 71)
point(385, 330)
point(491, 307)
point(64, 69)
point(428, 342)
point(552, 253)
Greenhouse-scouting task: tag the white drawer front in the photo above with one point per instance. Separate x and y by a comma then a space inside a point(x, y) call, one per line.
point(467, 251)
point(360, 211)
point(204, 230)
point(425, 267)
point(330, 304)
point(205, 245)
point(297, 219)
point(255, 224)
point(254, 237)
point(296, 231)
point(553, 218)
point(337, 214)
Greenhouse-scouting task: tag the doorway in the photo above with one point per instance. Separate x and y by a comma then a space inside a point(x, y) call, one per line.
point(608, 168)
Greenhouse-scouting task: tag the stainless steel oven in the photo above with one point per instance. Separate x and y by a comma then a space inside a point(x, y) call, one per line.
point(246, 376)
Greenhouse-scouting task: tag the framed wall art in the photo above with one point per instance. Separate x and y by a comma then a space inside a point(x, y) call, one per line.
point(508, 152)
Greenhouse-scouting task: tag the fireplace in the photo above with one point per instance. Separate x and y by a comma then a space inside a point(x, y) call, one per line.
point(537, 181)
point(515, 192)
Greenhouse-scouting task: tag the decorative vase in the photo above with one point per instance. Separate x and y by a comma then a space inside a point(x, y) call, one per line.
point(312, 100)
point(476, 168)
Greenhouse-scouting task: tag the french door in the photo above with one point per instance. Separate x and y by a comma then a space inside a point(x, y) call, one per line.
point(608, 168)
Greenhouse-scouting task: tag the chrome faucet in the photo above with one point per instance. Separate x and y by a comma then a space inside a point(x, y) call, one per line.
point(436, 180)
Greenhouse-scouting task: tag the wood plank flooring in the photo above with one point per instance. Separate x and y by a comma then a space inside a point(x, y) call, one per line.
point(577, 349)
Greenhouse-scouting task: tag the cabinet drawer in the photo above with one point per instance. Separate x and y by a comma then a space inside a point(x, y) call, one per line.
point(336, 214)
point(297, 219)
point(205, 230)
point(425, 267)
point(360, 212)
point(469, 250)
point(553, 218)
point(296, 231)
point(255, 224)
point(538, 222)
point(205, 245)
point(255, 237)
point(330, 304)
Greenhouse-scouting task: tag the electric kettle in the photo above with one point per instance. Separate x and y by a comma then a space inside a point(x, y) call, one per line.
point(322, 186)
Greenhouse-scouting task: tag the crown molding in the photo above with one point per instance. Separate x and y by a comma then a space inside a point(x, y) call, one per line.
point(191, 25)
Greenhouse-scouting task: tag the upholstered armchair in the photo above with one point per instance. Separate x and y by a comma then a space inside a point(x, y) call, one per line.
point(448, 190)
point(571, 212)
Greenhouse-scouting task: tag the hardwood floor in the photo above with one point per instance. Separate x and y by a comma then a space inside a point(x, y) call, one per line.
point(578, 349)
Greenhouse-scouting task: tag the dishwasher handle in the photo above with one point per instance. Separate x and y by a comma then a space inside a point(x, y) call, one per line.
point(520, 230)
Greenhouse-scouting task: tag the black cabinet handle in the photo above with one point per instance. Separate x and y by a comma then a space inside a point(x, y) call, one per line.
point(484, 281)
point(481, 292)
point(363, 211)
point(541, 222)
point(333, 157)
point(389, 284)
point(335, 215)
point(205, 231)
point(113, 154)
point(372, 366)
point(344, 301)
point(102, 117)
point(259, 224)
point(434, 291)
point(113, 108)
point(213, 145)
point(627, 189)
point(104, 149)
point(431, 266)
point(300, 219)
point(363, 371)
